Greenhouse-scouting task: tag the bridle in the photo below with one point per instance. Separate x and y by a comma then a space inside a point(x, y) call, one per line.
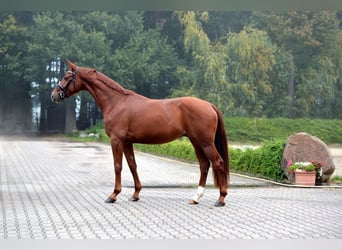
point(64, 89)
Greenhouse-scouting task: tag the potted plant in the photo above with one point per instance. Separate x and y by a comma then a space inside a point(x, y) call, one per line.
point(306, 173)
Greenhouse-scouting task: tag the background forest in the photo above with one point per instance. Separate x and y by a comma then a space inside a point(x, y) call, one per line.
point(249, 63)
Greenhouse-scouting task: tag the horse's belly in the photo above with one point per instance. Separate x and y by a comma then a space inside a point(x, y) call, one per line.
point(161, 122)
point(153, 134)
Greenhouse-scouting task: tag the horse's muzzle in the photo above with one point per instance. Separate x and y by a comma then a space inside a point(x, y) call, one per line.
point(57, 98)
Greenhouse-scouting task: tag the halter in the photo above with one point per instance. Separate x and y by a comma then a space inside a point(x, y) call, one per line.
point(63, 94)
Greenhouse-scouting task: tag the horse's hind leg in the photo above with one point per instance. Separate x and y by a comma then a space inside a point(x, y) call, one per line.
point(220, 175)
point(204, 167)
point(129, 154)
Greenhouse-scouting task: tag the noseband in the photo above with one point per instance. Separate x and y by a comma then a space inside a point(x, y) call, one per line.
point(64, 89)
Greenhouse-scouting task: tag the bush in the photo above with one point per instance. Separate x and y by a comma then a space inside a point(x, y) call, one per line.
point(180, 149)
point(263, 161)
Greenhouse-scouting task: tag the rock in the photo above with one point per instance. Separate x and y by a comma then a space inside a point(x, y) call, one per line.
point(303, 147)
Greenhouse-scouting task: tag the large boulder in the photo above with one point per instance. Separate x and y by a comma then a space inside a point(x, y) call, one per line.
point(303, 147)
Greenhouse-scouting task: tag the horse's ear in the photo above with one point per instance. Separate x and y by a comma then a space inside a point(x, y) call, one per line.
point(72, 66)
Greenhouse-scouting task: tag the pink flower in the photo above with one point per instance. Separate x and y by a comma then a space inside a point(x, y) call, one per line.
point(289, 163)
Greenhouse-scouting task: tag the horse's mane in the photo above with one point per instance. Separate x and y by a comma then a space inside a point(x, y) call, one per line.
point(112, 84)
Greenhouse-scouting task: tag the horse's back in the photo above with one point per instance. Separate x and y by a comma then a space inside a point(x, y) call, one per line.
point(163, 120)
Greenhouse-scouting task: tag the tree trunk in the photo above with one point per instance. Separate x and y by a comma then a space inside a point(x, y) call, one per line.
point(70, 117)
point(83, 121)
point(43, 113)
point(290, 88)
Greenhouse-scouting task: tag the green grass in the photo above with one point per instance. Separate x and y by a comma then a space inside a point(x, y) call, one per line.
point(258, 130)
point(336, 180)
point(97, 130)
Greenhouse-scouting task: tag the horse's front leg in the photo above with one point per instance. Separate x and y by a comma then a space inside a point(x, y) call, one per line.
point(129, 154)
point(117, 150)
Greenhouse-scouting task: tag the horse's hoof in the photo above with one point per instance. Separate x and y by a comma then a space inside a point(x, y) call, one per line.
point(193, 202)
point(219, 204)
point(134, 198)
point(110, 200)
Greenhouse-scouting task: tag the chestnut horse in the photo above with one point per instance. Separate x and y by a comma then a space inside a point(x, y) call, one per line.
point(131, 118)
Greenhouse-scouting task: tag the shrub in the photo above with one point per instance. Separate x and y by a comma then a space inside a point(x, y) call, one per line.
point(181, 149)
point(263, 161)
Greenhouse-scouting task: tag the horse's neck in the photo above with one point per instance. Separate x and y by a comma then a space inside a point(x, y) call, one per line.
point(111, 84)
point(106, 92)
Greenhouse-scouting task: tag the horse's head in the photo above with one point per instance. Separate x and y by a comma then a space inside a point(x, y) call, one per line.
point(69, 85)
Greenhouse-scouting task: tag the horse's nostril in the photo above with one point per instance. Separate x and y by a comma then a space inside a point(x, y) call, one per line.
point(54, 98)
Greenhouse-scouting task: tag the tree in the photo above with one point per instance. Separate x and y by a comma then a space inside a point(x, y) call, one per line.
point(307, 39)
point(251, 59)
point(59, 37)
point(44, 59)
point(113, 31)
point(204, 74)
point(247, 63)
point(292, 33)
point(146, 64)
point(221, 23)
point(15, 113)
point(320, 81)
point(276, 104)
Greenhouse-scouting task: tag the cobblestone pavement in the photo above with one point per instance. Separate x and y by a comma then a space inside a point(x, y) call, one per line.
point(54, 189)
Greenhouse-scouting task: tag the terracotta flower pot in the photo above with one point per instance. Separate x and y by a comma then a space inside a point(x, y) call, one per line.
point(305, 178)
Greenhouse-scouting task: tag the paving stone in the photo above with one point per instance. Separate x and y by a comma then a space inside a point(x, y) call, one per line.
point(54, 189)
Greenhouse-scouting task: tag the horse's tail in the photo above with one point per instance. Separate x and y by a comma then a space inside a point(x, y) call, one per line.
point(221, 145)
